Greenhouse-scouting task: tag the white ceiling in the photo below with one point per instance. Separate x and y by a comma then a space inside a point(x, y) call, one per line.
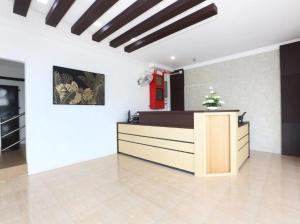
point(241, 25)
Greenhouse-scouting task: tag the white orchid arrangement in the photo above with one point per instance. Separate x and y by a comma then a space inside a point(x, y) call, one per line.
point(212, 100)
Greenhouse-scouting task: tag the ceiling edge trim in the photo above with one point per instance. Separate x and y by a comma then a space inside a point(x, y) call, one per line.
point(239, 55)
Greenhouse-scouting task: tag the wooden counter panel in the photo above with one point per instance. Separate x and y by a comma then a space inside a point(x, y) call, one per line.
point(218, 144)
point(180, 160)
point(182, 119)
point(169, 144)
point(242, 155)
point(177, 134)
point(242, 142)
point(242, 131)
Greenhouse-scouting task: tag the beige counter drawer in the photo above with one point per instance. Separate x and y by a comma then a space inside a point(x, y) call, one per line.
point(243, 154)
point(243, 141)
point(242, 131)
point(169, 144)
point(178, 134)
point(180, 160)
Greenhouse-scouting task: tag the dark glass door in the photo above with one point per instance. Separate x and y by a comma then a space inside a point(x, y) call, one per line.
point(9, 107)
point(177, 92)
point(290, 103)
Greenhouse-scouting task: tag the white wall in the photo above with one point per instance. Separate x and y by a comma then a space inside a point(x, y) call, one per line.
point(251, 84)
point(59, 135)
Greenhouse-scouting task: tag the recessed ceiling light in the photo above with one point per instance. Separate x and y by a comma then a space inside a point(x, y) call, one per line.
point(172, 58)
point(45, 2)
point(133, 39)
point(97, 24)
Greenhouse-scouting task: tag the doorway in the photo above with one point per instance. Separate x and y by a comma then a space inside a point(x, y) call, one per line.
point(177, 90)
point(12, 119)
point(9, 108)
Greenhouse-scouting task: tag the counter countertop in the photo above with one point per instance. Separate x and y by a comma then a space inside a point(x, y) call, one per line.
point(165, 126)
point(172, 126)
point(191, 111)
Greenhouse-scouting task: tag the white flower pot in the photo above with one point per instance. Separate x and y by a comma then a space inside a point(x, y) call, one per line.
point(212, 108)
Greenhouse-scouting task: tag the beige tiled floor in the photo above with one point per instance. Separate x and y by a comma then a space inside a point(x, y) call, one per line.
point(120, 189)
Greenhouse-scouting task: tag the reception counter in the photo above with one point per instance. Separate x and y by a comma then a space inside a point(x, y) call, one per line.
point(201, 142)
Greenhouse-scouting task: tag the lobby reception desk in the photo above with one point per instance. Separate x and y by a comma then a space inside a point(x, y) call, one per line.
point(202, 142)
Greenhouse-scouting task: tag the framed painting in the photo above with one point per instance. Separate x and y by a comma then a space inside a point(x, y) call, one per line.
point(75, 87)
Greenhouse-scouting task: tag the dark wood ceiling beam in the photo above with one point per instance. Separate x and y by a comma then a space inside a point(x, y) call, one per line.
point(94, 12)
point(129, 14)
point(181, 24)
point(162, 16)
point(21, 7)
point(58, 11)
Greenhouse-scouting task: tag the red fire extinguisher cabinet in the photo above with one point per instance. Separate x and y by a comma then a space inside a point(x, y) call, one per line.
point(157, 90)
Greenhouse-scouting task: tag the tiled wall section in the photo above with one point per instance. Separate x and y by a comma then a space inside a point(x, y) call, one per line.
point(250, 84)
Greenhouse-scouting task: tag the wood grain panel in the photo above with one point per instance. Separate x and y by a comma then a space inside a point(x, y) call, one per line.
point(177, 92)
point(176, 119)
point(177, 134)
point(291, 139)
point(180, 160)
point(289, 59)
point(233, 143)
point(199, 145)
point(242, 131)
point(129, 14)
point(243, 154)
point(57, 11)
point(174, 145)
point(180, 24)
point(290, 104)
point(94, 12)
point(242, 142)
point(162, 16)
point(21, 7)
point(218, 144)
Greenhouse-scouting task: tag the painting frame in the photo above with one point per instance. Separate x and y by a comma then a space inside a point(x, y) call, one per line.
point(77, 87)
